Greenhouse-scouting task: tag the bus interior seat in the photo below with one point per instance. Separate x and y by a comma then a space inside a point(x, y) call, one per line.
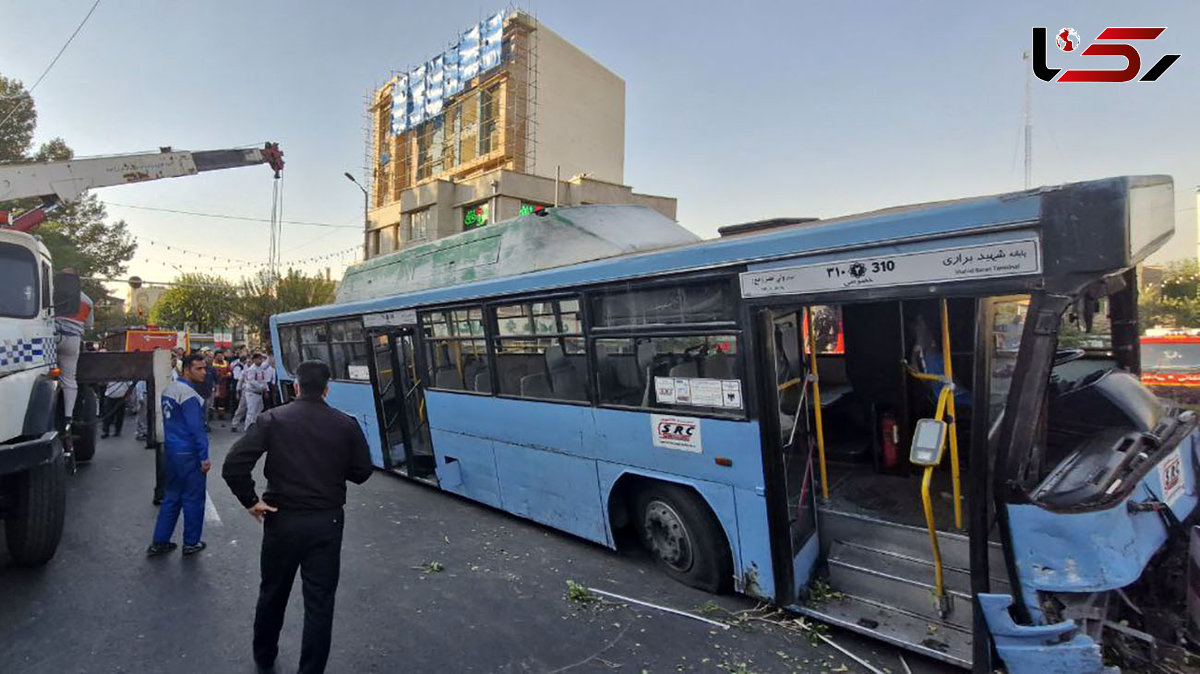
point(536, 385)
point(447, 377)
point(690, 368)
point(483, 382)
point(565, 379)
point(718, 366)
point(835, 385)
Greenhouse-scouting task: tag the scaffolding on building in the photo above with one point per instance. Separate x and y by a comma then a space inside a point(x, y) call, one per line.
point(490, 124)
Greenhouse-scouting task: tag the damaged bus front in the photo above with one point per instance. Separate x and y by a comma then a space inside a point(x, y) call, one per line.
point(1095, 479)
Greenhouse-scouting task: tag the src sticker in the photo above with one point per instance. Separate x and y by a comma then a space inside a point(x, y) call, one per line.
point(1170, 473)
point(672, 432)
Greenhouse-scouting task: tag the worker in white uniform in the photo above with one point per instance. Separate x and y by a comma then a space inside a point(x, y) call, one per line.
point(70, 340)
point(253, 386)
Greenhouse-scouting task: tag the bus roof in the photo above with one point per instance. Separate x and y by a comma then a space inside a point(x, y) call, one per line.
point(1093, 228)
point(554, 238)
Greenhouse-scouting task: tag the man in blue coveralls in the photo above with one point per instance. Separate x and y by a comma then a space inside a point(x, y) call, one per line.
point(186, 451)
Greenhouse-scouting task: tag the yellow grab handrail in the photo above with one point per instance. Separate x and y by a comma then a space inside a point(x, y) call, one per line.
point(816, 389)
point(939, 590)
point(948, 372)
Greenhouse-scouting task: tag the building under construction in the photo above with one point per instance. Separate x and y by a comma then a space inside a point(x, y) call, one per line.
point(509, 119)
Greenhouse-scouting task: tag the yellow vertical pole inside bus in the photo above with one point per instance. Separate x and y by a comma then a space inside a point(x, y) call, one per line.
point(816, 393)
point(948, 372)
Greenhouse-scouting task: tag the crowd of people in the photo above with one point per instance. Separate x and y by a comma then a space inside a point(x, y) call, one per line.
point(238, 385)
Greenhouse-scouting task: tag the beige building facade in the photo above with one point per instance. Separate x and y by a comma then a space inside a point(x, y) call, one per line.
point(544, 126)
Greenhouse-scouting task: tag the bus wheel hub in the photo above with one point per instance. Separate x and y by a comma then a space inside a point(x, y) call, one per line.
point(667, 536)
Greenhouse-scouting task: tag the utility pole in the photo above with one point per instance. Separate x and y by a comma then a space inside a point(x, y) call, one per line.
point(366, 220)
point(1028, 121)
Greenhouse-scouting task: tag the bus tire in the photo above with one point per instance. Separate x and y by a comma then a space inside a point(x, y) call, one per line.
point(84, 426)
point(681, 532)
point(34, 526)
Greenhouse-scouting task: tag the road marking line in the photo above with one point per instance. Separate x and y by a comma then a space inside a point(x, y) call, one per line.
point(210, 510)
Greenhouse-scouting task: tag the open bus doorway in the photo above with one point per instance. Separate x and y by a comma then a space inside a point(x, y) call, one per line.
point(851, 383)
point(400, 403)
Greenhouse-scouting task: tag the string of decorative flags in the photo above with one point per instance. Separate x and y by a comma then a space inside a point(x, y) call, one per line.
point(235, 263)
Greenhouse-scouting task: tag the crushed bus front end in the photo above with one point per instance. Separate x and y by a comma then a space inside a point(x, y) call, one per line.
point(1103, 556)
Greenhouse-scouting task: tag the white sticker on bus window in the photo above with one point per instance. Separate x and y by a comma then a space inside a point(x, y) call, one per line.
point(672, 432)
point(359, 372)
point(706, 392)
point(683, 391)
point(1170, 474)
point(664, 390)
point(1013, 257)
point(731, 393)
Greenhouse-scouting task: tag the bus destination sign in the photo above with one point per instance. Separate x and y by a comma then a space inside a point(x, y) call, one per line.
point(962, 263)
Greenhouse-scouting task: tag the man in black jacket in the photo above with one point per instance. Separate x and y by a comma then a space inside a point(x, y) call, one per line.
point(312, 449)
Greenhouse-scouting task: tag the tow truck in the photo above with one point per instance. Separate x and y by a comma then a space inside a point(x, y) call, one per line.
point(34, 457)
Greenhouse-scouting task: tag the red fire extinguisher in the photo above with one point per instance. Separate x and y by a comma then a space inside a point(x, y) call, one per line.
point(889, 435)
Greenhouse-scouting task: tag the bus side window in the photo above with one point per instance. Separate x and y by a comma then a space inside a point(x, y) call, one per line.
point(455, 350)
point(696, 373)
point(540, 350)
point(314, 343)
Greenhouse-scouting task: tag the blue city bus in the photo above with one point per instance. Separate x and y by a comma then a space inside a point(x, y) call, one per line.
point(867, 420)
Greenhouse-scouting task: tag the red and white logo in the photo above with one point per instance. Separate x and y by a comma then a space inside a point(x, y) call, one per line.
point(1112, 41)
point(1067, 39)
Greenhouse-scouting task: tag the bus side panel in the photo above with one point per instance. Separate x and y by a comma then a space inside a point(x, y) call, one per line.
point(627, 437)
point(536, 470)
point(358, 401)
point(756, 576)
point(529, 423)
point(553, 488)
point(466, 465)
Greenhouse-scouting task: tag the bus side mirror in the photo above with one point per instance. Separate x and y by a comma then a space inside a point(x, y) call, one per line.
point(66, 293)
point(928, 443)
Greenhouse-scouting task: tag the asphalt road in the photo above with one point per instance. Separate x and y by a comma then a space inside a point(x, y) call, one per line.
point(499, 602)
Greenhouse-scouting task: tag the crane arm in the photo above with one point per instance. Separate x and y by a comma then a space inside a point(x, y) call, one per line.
point(59, 182)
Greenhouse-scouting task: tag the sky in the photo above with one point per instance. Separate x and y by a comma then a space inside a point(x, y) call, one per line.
point(742, 111)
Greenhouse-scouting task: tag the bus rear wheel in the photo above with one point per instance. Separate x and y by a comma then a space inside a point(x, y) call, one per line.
point(677, 527)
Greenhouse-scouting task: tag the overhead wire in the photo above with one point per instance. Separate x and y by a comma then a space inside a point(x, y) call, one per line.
point(225, 216)
point(53, 61)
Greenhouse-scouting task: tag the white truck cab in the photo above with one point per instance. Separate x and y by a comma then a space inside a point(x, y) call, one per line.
point(32, 464)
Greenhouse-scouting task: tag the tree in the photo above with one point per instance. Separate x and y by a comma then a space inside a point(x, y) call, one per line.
point(77, 234)
point(1175, 303)
point(197, 301)
point(16, 134)
point(263, 296)
point(79, 237)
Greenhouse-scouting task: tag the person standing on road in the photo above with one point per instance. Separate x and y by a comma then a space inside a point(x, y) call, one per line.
point(312, 450)
point(254, 386)
point(185, 449)
point(113, 410)
point(237, 369)
point(70, 330)
point(139, 392)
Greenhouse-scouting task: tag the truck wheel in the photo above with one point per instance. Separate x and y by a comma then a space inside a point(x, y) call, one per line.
point(84, 425)
point(677, 527)
point(35, 524)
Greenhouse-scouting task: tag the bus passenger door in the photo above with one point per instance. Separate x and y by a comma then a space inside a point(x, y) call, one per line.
point(790, 452)
point(400, 403)
point(388, 403)
point(416, 421)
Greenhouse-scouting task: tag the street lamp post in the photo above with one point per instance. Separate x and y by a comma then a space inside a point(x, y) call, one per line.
point(366, 221)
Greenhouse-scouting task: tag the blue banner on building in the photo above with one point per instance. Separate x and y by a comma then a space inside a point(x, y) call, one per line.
point(421, 94)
